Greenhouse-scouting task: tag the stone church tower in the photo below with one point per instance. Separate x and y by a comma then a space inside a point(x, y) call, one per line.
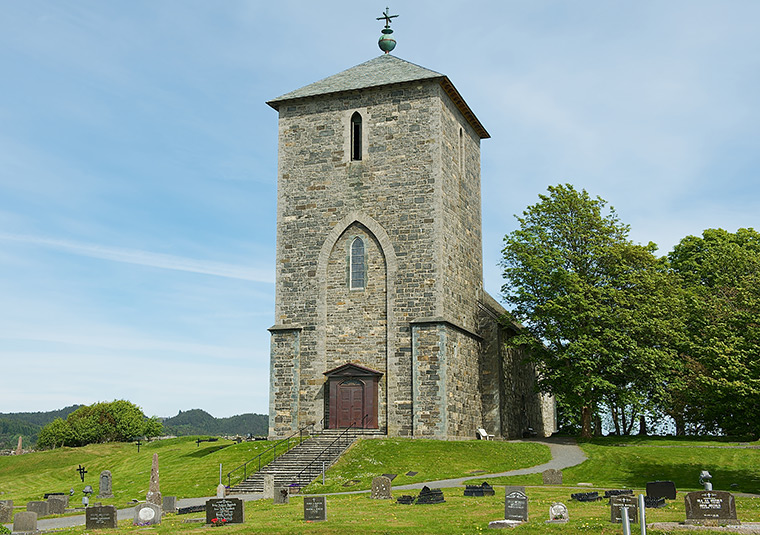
point(381, 317)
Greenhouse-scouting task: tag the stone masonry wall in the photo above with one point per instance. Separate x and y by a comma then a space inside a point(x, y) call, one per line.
point(283, 381)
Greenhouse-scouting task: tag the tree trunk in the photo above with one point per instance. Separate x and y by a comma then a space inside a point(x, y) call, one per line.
point(680, 426)
point(622, 415)
point(615, 420)
point(598, 425)
point(642, 426)
point(586, 422)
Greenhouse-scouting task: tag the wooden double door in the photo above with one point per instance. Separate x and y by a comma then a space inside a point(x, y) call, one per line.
point(352, 398)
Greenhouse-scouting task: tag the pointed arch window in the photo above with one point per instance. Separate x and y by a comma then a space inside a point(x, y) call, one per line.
point(357, 272)
point(356, 136)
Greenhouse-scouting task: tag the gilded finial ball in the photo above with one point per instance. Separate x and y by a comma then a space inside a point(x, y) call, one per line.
point(386, 42)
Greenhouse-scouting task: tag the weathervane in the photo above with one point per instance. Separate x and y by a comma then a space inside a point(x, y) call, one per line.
point(386, 42)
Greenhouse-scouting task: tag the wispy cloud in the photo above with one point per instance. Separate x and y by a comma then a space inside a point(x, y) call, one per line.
point(144, 258)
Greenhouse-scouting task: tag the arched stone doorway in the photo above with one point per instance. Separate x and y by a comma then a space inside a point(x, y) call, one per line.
point(352, 394)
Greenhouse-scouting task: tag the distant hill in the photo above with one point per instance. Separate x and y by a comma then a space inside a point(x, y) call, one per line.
point(199, 422)
point(28, 425)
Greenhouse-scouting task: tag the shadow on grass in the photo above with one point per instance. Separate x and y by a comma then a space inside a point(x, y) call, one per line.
point(206, 451)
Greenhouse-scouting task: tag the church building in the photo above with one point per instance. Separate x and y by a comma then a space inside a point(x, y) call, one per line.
point(381, 319)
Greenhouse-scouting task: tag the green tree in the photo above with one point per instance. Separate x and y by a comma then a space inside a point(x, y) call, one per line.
point(720, 273)
point(588, 299)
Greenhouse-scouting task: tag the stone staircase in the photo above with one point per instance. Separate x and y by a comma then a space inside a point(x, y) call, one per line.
point(301, 464)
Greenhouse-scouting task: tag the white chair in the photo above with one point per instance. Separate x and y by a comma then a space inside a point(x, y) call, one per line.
point(482, 435)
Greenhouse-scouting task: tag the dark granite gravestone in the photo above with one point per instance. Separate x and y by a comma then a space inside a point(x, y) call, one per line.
point(552, 476)
point(558, 514)
point(429, 496)
point(390, 476)
point(661, 489)
point(405, 499)
point(618, 492)
point(479, 490)
point(146, 514)
point(225, 510)
point(410, 473)
point(39, 507)
point(49, 494)
point(191, 509)
point(654, 503)
point(100, 517)
point(585, 496)
point(710, 507)
point(281, 496)
point(616, 508)
point(6, 511)
point(314, 508)
point(516, 506)
point(24, 522)
point(381, 488)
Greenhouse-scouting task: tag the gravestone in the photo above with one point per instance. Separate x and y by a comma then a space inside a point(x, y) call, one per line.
point(268, 486)
point(410, 473)
point(221, 490)
point(154, 491)
point(191, 509)
point(39, 507)
point(552, 476)
point(100, 517)
point(405, 499)
point(654, 503)
point(146, 514)
point(381, 488)
point(479, 490)
point(314, 508)
point(429, 496)
point(616, 509)
point(585, 496)
point(19, 449)
point(281, 495)
point(227, 510)
point(661, 489)
point(558, 514)
point(6, 511)
point(617, 492)
point(104, 485)
point(710, 507)
point(169, 504)
point(56, 506)
point(58, 496)
point(516, 506)
point(24, 522)
point(390, 476)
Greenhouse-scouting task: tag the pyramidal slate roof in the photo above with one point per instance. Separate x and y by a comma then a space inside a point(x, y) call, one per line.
point(380, 71)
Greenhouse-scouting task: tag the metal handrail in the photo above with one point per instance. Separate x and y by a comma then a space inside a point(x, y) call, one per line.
point(309, 469)
point(273, 448)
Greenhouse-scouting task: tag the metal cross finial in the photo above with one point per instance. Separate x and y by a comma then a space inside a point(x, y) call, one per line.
point(387, 17)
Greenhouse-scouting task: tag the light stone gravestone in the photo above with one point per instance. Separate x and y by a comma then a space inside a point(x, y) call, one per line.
point(101, 517)
point(268, 486)
point(56, 506)
point(616, 508)
point(225, 511)
point(315, 508)
point(552, 476)
point(558, 514)
point(221, 490)
point(381, 488)
point(19, 448)
point(105, 489)
point(281, 495)
point(6, 511)
point(146, 514)
point(154, 491)
point(39, 507)
point(711, 507)
point(24, 522)
point(169, 504)
point(62, 497)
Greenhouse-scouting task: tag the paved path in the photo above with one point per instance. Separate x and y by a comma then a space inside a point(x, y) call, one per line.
point(565, 453)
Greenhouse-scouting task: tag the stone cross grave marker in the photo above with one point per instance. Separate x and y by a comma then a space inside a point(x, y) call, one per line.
point(552, 476)
point(225, 510)
point(314, 508)
point(82, 472)
point(515, 505)
point(146, 514)
point(154, 491)
point(105, 489)
point(6, 511)
point(710, 507)
point(25, 522)
point(661, 489)
point(558, 514)
point(616, 508)
point(381, 488)
point(100, 517)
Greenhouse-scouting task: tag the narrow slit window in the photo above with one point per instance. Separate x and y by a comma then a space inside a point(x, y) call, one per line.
point(356, 137)
point(357, 265)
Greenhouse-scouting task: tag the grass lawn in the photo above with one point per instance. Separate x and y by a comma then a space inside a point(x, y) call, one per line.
point(459, 515)
point(431, 459)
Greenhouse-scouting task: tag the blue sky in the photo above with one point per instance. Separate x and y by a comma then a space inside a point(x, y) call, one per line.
point(138, 161)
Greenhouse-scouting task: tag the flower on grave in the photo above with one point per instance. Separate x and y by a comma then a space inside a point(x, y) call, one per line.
point(215, 522)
